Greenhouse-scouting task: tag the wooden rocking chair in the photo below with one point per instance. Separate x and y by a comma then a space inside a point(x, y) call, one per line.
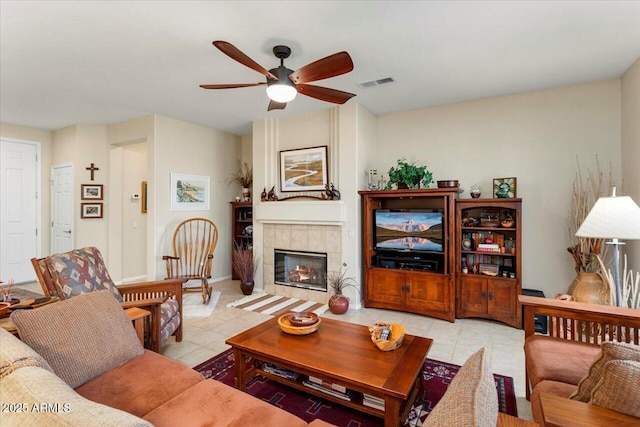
point(194, 242)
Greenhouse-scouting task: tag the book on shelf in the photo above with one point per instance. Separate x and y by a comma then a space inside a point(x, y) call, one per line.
point(373, 401)
point(327, 384)
point(281, 372)
point(347, 395)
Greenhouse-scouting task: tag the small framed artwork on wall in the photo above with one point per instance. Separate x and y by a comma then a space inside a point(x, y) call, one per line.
point(91, 210)
point(504, 188)
point(91, 191)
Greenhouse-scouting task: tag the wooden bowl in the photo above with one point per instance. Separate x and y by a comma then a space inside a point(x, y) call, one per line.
point(395, 339)
point(450, 183)
point(4, 308)
point(286, 326)
point(305, 318)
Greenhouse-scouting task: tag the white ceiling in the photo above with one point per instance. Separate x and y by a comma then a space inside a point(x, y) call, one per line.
point(103, 62)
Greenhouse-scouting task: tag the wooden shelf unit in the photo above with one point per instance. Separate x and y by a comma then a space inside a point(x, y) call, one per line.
point(241, 218)
point(482, 295)
point(431, 293)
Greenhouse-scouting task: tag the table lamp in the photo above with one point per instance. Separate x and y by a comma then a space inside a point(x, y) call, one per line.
point(615, 218)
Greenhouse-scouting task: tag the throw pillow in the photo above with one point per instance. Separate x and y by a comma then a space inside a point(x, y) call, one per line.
point(471, 399)
point(40, 398)
point(81, 338)
point(609, 350)
point(14, 354)
point(80, 271)
point(619, 387)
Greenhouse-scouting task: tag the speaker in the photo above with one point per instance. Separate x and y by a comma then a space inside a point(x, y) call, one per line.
point(540, 322)
point(387, 263)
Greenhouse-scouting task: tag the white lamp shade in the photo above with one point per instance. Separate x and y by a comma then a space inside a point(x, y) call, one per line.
point(281, 92)
point(612, 218)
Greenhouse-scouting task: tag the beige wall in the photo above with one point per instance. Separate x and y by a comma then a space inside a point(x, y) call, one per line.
point(44, 137)
point(535, 137)
point(182, 147)
point(631, 149)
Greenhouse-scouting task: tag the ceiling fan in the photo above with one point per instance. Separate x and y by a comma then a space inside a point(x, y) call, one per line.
point(283, 84)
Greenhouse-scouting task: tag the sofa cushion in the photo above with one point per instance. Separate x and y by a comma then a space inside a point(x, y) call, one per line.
point(471, 399)
point(14, 354)
point(619, 388)
point(91, 335)
point(41, 398)
point(141, 384)
point(609, 350)
point(552, 387)
point(565, 361)
point(80, 271)
point(212, 400)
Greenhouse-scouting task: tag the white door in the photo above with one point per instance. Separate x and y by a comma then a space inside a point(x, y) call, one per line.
point(61, 208)
point(19, 210)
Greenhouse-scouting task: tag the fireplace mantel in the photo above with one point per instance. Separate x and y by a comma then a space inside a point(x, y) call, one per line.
point(317, 212)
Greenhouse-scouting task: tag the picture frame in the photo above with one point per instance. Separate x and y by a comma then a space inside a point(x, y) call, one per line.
point(505, 188)
point(90, 210)
point(304, 169)
point(91, 191)
point(143, 200)
point(189, 192)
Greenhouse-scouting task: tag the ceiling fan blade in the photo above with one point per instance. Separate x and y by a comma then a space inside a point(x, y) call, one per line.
point(325, 93)
point(273, 105)
point(331, 66)
point(232, 86)
point(234, 53)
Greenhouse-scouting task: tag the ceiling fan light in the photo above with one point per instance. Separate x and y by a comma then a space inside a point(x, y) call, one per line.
point(283, 93)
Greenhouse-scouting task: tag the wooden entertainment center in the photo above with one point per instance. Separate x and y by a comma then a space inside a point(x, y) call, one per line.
point(412, 281)
point(474, 270)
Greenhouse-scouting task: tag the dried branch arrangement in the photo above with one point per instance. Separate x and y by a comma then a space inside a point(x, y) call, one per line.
point(244, 262)
point(585, 192)
point(629, 286)
point(243, 176)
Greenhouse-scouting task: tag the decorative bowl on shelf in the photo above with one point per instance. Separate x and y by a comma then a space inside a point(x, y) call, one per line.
point(305, 318)
point(387, 337)
point(450, 183)
point(286, 326)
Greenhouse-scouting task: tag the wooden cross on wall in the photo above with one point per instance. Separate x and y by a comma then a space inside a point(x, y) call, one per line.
point(92, 168)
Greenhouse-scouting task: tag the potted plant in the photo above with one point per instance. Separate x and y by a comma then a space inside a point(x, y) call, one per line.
point(245, 263)
point(244, 177)
point(338, 282)
point(409, 175)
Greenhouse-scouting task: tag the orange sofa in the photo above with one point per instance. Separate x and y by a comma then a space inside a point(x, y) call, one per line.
point(557, 362)
point(82, 360)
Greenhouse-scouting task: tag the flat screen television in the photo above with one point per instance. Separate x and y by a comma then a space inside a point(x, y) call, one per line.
point(411, 230)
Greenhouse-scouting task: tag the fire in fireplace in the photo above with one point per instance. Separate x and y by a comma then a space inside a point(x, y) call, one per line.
point(300, 269)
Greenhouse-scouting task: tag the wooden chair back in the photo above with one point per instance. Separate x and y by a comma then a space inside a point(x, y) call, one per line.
point(44, 278)
point(194, 242)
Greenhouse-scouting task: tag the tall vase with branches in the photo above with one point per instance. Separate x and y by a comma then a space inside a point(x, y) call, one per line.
point(244, 177)
point(589, 285)
point(245, 263)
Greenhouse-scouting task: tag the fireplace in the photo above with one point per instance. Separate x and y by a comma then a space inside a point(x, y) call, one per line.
point(300, 269)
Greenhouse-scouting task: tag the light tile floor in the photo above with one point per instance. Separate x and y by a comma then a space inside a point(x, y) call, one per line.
point(204, 338)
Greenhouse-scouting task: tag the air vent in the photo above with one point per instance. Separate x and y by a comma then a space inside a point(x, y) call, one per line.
point(378, 82)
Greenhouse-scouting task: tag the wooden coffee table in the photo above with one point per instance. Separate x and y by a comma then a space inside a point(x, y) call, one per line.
point(338, 353)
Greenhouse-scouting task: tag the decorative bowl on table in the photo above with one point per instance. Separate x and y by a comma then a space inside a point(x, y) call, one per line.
point(285, 324)
point(386, 336)
point(4, 308)
point(305, 318)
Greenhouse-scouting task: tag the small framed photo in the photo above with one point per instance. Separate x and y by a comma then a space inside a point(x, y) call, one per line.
point(504, 188)
point(91, 210)
point(91, 191)
point(304, 169)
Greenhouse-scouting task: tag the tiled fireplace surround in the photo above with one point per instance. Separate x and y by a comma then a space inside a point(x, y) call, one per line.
point(300, 237)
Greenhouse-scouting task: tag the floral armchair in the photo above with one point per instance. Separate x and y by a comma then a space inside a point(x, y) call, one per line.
point(79, 271)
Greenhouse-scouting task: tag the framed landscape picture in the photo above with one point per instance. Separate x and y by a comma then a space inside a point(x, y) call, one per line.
point(504, 188)
point(304, 169)
point(189, 192)
point(91, 210)
point(91, 191)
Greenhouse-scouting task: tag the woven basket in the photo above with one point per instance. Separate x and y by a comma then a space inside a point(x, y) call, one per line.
point(395, 337)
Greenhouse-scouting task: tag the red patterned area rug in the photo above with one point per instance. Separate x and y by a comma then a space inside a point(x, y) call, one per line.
point(436, 377)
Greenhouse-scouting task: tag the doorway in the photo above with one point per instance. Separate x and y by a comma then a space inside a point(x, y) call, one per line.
point(62, 208)
point(20, 209)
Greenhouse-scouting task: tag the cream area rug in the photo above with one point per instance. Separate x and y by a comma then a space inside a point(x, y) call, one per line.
point(276, 305)
point(192, 305)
